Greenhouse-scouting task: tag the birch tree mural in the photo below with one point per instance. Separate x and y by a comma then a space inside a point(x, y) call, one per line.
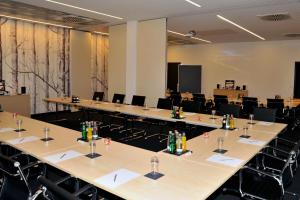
point(99, 63)
point(37, 57)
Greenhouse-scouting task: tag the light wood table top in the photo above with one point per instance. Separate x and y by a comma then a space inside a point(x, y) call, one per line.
point(186, 177)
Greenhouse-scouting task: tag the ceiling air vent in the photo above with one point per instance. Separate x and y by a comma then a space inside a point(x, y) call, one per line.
point(292, 35)
point(275, 17)
point(75, 19)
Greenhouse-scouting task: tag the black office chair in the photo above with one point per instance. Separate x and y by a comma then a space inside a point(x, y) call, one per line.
point(277, 104)
point(17, 182)
point(175, 98)
point(98, 95)
point(265, 114)
point(138, 100)
point(164, 104)
point(220, 99)
point(191, 106)
point(200, 98)
point(249, 103)
point(118, 98)
point(230, 109)
point(52, 190)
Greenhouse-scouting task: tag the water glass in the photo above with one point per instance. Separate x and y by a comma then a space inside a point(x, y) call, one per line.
point(251, 116)
point(220, 143)
point(213, 113)
point(92, 147)
point(19, 124)
point(245, 130)
point(154, 165)
point(46, 132)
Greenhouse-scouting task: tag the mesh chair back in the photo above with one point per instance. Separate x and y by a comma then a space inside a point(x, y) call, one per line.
point(98, 95)
point(265, 114)
point(118, 97)
point(230, 109)
point(276, 104)
point(220, 99)
point(175, 98)
point(249, 103)
point(191, 106)
point(164, 104)
point(138, 100)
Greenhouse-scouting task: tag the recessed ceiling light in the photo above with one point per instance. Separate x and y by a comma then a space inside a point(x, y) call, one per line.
point(79, 8)
point(195, 38)
point(240, 27)
point(101, 33)
point(34, 21)
point(193, 3)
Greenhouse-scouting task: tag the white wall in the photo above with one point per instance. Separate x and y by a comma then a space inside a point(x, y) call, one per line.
point(80, 64)
point(151, 62)
point(267, 68)
point(117, 60)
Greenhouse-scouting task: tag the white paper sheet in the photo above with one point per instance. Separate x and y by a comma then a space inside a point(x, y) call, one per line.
point(189, 114)
point(3, 130)
point(225, 160)
point(56, 158)
point(23, 140)
point(156, 110)
point(252, 142)
point(116, 178)
point(265, 123)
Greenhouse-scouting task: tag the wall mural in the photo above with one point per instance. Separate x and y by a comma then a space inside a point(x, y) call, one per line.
point(99, 63)
point(37, 57)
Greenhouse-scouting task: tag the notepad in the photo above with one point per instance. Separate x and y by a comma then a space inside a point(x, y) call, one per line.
point(3, 130)
point(225, 160)
point(252, 142)
point(23, 140)
point(67, 155)
point(117, 178)
point(265, 123)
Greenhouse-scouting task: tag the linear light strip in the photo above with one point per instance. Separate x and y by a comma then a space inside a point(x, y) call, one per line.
point(240, 27)
point(84, 9)
point(101, 33)
point(34, 21)
point(193, 3)
point(195, 38)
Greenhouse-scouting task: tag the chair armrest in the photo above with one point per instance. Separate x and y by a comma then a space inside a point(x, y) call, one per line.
point(31, 164)
point(83, 189)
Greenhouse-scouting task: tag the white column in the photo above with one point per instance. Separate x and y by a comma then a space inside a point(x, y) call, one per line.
point(131, 59)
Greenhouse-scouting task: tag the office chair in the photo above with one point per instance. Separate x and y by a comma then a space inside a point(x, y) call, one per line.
point(265, 114)
point(175, 98)
point(249, 103)
point(191, 106)
point(200, 98)
point(118, 97)
point(17, 182)
point(277, 104)
point(138, 100)
point(220, 99)
point(164, 104)
point(53, 191)
point(98, 95)
point(230, 109)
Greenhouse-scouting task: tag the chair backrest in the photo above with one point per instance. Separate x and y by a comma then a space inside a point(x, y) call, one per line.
point(249, 103)
point(118, 97)
point(191, 106)
point(56, 192)
point(199, 97)
point(265, 114)
point(138, 100)
point(164, 104)
point(98, 95)
point(230, 109)
point(277, 104)
point(175, 98)
point(220, 99)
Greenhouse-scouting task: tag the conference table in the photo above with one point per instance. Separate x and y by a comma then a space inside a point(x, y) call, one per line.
point(194, 175)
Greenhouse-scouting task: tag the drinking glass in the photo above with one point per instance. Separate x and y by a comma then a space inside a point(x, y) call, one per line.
point(251, 116)
point(46, 132)
point(19, 124)
point(220, 141)
point(213, 113)
point(245, 130)
point(154, 165)
point(92, 147)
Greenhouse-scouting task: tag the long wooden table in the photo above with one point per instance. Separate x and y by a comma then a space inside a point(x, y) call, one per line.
point(189, 176)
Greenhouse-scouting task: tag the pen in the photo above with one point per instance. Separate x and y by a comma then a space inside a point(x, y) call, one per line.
point(115, 178)
point(21, 140)
point(62, 156)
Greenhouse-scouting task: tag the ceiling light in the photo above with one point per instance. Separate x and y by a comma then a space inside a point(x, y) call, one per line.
point(195, 38)
point(34, 21)
point(92, 11)
point(193, 3)
point(101, 33)
point(240, 27)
